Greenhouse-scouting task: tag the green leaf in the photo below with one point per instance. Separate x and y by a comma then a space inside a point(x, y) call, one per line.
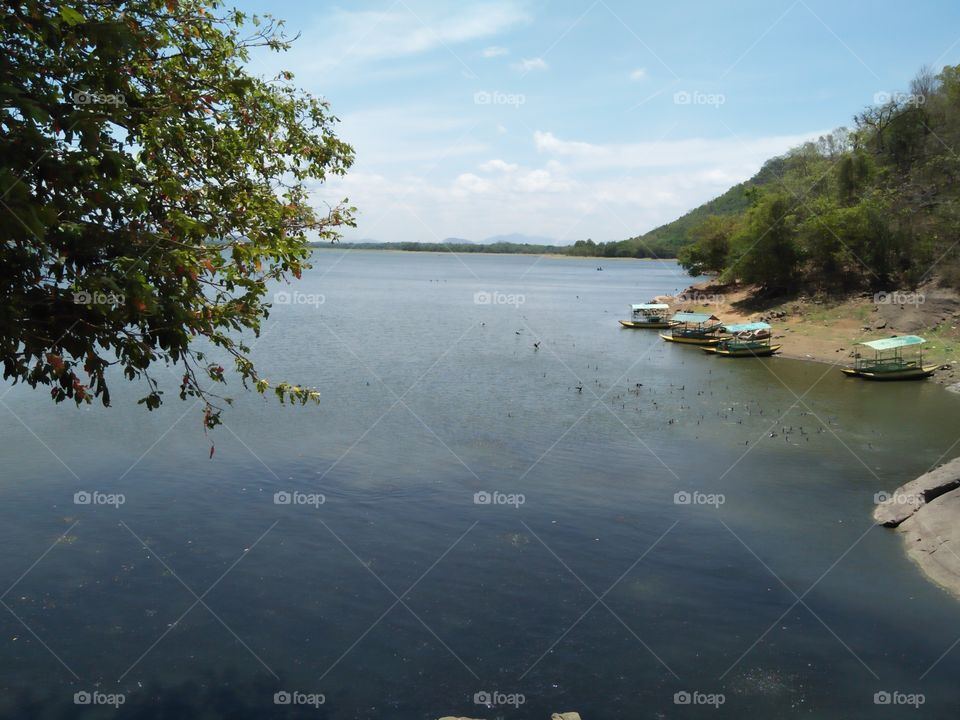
point(71, 16)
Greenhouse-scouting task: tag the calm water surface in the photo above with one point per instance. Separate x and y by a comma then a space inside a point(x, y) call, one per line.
point(402, 597)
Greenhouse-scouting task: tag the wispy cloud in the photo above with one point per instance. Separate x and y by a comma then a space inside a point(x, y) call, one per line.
point(352, 37)
point(638, 74)
point(494, 51)
point(736, 155)
point(528, 64)
point(578, 189)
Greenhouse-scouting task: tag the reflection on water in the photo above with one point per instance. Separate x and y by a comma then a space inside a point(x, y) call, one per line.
point(399, 596)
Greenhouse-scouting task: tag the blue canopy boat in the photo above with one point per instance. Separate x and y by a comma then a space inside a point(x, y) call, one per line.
point(744, 340)
point(693, 329)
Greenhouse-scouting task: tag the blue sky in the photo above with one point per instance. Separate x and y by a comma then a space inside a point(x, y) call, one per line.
point(585, 119)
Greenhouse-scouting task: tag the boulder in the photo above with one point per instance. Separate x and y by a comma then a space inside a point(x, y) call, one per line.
point(565, 716)
point(908, 499)
point(932, 537)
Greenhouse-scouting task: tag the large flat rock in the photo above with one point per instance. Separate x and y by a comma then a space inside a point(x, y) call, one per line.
point(932, 536)
point(907, 499)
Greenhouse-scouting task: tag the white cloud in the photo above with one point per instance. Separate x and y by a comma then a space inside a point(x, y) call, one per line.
point(639, 74)
point(349, 37)
point(494, 51)
point(581, 189)
point(528, 64)
point(732, 154)
point(498, 166)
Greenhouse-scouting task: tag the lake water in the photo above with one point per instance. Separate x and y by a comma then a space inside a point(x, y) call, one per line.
point(583, 585)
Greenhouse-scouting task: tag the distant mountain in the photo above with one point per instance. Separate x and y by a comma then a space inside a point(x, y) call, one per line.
point(519, 239)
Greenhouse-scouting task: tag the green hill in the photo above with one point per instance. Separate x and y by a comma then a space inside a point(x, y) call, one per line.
point(873, 207)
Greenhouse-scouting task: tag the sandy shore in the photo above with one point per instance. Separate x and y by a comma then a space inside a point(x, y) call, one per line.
point(826, 330)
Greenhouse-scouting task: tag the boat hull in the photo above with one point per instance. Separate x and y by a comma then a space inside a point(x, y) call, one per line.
point(917, 373)
point(651, 325)
point(690, 340)
point(746, 352)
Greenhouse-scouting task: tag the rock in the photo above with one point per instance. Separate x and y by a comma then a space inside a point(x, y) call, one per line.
point(880, 325)
point(932, 536)
point(565, 716)
point(908, 499)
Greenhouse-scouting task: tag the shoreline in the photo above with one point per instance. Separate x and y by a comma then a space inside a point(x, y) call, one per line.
point(925, 511)
point(825, 330)
point(497, 254)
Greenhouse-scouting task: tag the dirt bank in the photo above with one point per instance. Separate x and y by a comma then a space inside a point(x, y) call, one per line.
point(825, 329)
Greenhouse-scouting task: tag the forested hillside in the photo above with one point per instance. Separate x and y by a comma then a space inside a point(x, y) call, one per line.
point(869, 207)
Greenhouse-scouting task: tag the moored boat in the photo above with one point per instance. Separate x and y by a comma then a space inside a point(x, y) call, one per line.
point(744, 340)
point(693, 329)
point(647, 315)
point(888, 361)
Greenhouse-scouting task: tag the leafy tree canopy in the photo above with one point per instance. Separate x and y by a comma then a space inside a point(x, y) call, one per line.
point(152, 188)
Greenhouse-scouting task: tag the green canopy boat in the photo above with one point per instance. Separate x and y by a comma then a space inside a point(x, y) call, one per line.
point(693, 329)
point(888, 361)
point(648, 315)
point(744, 340)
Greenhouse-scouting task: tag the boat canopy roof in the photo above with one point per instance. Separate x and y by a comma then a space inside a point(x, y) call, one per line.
point(894, 342)
point(688, 317)
point(746, 327)
point(650, 306)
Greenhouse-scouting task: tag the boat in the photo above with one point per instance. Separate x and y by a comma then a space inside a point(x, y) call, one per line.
point(888, 362)
point(647, 315)
point(744, 340)
point(693, 329)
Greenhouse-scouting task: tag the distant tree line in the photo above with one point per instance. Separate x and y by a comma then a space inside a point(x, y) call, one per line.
point(581, 248)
